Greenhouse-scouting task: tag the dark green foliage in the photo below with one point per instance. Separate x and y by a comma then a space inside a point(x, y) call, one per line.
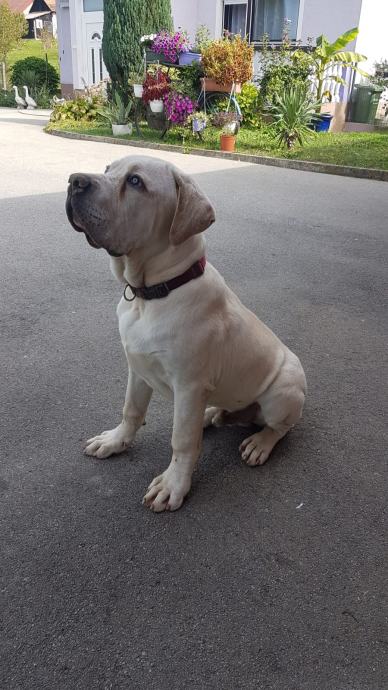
point(43, 74)
point(125, 22)
point(279, 76)
point(123, 28)
point(158, 16)
point(7, 99)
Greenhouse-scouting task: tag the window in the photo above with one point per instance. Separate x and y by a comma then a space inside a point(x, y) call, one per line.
point(268, 17)
point(93, 5)
point(235, 17)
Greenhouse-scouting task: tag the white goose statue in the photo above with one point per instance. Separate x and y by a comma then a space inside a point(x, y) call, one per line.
point(30, 101)
point(19, 100)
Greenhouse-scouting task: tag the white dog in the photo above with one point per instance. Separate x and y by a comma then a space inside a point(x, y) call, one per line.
point(184, 332)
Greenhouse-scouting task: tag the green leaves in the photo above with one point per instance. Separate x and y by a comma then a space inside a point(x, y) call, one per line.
point(293, 112)
point(328, 55)
point(345, 39)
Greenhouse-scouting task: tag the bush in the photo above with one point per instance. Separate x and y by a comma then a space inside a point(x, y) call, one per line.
point(292, 112)
point(282, 67)
point(251, 104)
point(7, 99)
point(228, 60)
point(80, 109)
point(44, 74)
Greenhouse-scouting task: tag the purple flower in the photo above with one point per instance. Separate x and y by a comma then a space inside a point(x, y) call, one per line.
point(171, 45)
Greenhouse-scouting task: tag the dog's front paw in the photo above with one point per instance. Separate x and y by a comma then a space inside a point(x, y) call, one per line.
point(167, 491)
point(108, 442)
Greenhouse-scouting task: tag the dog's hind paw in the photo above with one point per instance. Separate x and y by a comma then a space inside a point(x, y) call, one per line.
point(108, 442)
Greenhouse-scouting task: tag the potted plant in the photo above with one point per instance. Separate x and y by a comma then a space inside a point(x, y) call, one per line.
point(230, 124)
point(155, 86)
point(227, 63)
point(194, 54)
point(178, 107)
point(198, 121)
point(167, 47)
point(136, 80)
point(117, 113)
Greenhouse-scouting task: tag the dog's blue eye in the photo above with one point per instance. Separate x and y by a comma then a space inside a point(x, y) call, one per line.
point(134, 180)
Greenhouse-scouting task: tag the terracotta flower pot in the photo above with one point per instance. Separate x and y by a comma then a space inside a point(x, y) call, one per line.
point(227, 142)
point(212, 85)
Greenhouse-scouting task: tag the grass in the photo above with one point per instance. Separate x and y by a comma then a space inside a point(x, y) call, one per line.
point(32, 48)
point(358, 149)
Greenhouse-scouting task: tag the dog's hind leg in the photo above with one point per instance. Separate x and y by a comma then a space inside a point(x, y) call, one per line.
point(281, 407)
point(217, 417)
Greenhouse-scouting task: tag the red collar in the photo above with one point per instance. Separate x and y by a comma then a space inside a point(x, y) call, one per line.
point(163, 289)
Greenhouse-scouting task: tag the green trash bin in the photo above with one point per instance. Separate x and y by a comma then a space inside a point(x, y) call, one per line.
point(364, 101)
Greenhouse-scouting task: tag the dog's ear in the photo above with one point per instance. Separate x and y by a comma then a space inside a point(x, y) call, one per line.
point(194, 212)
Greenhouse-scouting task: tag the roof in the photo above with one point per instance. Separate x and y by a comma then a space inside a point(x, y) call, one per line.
point(19, 5)
point(23, 5)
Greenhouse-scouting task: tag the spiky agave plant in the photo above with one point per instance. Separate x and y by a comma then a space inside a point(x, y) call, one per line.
point(292, 112)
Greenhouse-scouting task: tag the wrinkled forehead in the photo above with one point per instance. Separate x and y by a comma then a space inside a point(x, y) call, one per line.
point(153, 171)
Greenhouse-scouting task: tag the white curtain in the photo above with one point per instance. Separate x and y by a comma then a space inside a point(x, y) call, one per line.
point(269, 17)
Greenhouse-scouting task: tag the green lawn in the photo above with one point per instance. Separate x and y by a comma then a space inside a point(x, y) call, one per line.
point(359, 149)
point(31, 48)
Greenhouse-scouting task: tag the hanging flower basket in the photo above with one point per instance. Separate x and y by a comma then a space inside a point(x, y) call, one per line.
point(211, 85)
point(156, 105)
point(198, 124)
point(138, 90)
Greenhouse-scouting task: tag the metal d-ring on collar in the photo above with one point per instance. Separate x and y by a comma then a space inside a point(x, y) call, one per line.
point(125, 296)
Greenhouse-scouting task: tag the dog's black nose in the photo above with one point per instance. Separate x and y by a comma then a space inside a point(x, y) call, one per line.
point(79, 182)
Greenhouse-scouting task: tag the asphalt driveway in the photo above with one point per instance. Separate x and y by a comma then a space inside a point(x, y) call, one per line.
point(267, 578)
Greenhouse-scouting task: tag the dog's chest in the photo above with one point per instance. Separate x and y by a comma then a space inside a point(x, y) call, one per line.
point(145, 348)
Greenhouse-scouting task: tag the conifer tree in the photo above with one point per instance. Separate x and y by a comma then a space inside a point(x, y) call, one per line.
point(123, 28)
point(159, 15)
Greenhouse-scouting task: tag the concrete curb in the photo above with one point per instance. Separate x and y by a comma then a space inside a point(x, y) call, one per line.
point(309, 166)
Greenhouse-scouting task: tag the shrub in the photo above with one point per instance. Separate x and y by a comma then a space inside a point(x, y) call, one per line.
point(7, 99)
point(293, 113)
point(251, 104)
point(117, 113)
point(228, 60)
point(44, 74)
point(78, 109)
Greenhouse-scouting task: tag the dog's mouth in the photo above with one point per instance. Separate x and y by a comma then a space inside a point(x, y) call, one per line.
point(79, 227)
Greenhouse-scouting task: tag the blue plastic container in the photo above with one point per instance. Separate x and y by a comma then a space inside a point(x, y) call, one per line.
point(322, 122)
point(189, 57)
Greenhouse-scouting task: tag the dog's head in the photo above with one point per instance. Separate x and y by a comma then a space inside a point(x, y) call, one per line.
point(137, 201)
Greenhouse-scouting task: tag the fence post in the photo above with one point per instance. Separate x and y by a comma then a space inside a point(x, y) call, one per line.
point(4, 78)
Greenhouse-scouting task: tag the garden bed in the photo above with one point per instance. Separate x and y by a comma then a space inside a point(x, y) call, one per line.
point(356, 149)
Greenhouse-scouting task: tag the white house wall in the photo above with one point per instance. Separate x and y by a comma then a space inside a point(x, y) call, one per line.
point(372, 40)
point(64, 48)
point(189, 14)
point(329, 17)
